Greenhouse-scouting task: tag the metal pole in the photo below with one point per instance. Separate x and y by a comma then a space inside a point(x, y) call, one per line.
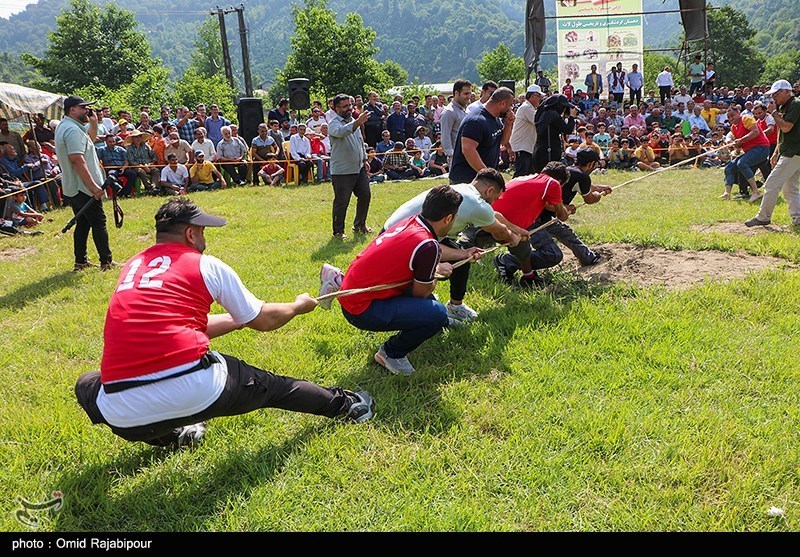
point(226, 55)
point(248, 80)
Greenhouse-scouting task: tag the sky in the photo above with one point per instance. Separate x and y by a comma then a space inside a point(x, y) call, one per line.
point(11, 7)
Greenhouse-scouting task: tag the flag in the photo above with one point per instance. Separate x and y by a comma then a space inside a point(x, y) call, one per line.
point(534, 35)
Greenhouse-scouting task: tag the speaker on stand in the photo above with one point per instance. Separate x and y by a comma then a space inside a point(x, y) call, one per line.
point(299, 98)
point(510, 83)
point(250, 115)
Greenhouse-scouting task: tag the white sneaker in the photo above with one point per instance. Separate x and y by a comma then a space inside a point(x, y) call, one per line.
point(189, 435)
point(330, 278)
point(398, 366)
point(461, 312)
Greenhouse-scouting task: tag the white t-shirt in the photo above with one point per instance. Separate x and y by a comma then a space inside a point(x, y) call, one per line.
point(194, 392)
point(207, 146)
point(177, 176)
point(664, 79)
point(474, 107)
point(473, 211)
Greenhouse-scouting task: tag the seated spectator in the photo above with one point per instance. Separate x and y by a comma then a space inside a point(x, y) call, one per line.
point(614, 156)
point(385, 145)
point(180, 148)
point(396, 164)
point(202, 174)
point(320, 153)
point(374, 167)
point(602, 138)
point(437, 162)
point(422, 142)
point(41, 131)
point(646, 158)
point(419, 165)
point(571, 151)
point(201, 143)
point(300, 151)
point(277, 136)
point(19, 213)
point(174, 177)
point(317, 119)
point(271, 173)
point(22, 172)
point(230, 155)
point(678, 151)
point(410, 146)
point(263, 145)
point(114, 158)
point(588, 143)
point(143, 160)
point(43, 168)
point(712, 157)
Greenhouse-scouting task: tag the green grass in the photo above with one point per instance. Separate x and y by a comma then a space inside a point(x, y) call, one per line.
point(583, 408)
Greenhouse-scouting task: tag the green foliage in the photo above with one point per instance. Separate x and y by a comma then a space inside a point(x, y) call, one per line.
point(207, 59)
point(397, 75)
point(782, 66)
point(91, 46)
point(192, 89)
point(417, 88)
point(731, 47)
point(151, 87)
point(654, 63)
point(500, 64)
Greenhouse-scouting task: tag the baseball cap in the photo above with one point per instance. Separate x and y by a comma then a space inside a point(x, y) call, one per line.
point(196, 217)
point(199, 153)
point(779, 85)
point(72, 101)
point(533, 89)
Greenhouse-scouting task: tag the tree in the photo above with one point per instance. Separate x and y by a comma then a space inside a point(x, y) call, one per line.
point(207, 55)
point(732, 49)
point(397, 75)
point(151, 87)
point(783, 66)
point(500, 64)
point(338, 60)
point(192, 89)
point(93, 47)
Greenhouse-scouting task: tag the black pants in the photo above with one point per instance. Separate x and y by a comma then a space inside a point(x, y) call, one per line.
point(373, 133)
point(345, 185)
point(303, 167)
point(238, 172)
point(247, 388)
point(636, 96)
point(523, 164)
point(665, 91)
point(93, 219)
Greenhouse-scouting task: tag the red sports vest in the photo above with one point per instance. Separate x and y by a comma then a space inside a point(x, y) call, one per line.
point(158, 315)
point(773, 137)
point(385, 261)
point(740, 131)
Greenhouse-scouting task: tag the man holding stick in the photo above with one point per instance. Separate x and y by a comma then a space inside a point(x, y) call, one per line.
point(161, 388)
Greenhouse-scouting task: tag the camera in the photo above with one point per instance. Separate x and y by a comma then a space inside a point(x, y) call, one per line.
point(112, 182)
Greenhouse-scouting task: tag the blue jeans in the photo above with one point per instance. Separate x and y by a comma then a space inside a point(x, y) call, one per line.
point(417, 319)
point(745, 164)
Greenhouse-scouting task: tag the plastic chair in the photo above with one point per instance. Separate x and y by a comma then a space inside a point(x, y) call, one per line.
point(292, 170)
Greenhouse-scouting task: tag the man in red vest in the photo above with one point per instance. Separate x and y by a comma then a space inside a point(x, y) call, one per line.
point(755, 145)
point(158, 381)
point(407, 254)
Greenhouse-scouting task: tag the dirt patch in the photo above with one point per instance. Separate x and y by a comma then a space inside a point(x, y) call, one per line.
point(675, 270)
point(739, 229)
point(15, 254)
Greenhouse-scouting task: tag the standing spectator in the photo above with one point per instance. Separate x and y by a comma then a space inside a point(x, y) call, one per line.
point(230, 155)
point(376, 122)
point(593, 83)
point(396, 122)
point(480, 136)
point(523, 133)
point(785, 175)
point(82, 180)
point(413, 121)
point(300, 151)
point(543, 82)
point(665, 84)
point(635, 81)
point(710, 78)
point(616, 86)
point(766, 122)
point(487, 89)
point(453, 115)
point(347, 166)
point(158, 144)
point(696, 74)
point(186, 124)
point(280, 112)
point(554, 117)
point(214, 124)
point(568, 90)
point(422, 142)
point(277, 136)
point(317, 119)
point(142, 158)
point(12, 138)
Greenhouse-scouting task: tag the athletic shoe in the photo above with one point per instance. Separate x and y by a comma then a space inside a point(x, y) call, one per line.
point(109, 266)
point(531, 282)
point(362, 406)
point(398, 366)
point(340, 236)
point(502, 270)
point(330, 279)
point(593, 261)
point(461, 312)
point(189, 435)
point(82, 266)
point(755, 222)
point(452, 322)
point(362, 230)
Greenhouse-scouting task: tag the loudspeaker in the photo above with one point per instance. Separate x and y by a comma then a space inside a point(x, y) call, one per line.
point(251, 114)
point(299, 98)
point(510, 83)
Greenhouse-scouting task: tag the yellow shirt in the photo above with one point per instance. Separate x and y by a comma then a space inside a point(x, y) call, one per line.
point(204, 172)
point(645, 153)
point(710, 116)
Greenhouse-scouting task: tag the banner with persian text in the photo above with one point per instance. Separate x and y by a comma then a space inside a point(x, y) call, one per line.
point(601, 32)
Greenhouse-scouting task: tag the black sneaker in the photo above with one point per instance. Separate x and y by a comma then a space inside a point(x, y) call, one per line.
point(755, 222)
point(362, 407)
point(531, 282)
point(593, 261)
point(502, 270)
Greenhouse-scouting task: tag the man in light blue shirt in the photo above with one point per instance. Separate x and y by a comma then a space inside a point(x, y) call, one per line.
point(348, 171)
point(696, 120)
point(635, 81)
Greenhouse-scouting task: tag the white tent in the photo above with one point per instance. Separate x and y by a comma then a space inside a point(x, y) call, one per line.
point(17, 101)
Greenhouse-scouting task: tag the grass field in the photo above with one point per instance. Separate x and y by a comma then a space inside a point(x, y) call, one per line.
point(580, 408)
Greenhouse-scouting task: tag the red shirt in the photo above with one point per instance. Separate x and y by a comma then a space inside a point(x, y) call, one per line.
point(772, 137)
point(391, 258)
point(740, 130)
point(525, 198)
point(158, 314)
point(568, 91)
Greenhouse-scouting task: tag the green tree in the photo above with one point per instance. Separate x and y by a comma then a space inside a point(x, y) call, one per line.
point(338, 60)
point(151, 87)
point(500, 64)
point(93, 46)
point(732, 48)
point(192, 89)
point(207, 55)
point(397, 75)
point(782, 66)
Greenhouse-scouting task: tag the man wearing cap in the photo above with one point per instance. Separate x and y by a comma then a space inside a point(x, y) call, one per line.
point(143, 159)
point(158, 381)
point(785, 175)
point(180, 148)
point(81, 180)
point(523, 133)
point(202, 174)
point(422, 142)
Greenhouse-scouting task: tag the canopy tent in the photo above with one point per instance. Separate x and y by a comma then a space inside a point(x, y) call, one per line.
point(17, 101)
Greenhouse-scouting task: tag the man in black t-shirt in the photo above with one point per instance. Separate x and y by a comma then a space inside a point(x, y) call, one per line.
point(546, 252)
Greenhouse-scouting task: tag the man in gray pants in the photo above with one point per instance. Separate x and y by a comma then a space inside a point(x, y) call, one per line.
point(348, 171)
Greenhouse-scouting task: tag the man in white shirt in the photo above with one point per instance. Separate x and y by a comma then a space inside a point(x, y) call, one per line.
point(682, 96)
point(665, 84)
point(300, 151)
point(486, 91)
point(201, 143)
point(174, 177)
point(523, 134)
point(316, 120)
